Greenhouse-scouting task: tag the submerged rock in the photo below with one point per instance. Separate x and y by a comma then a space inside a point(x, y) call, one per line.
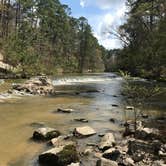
point(45, 133)
point(115, 105)
point(84, 131)
point(65, 110)
point(107, 141)
point(81, 120)
point(112, 120)
point(59, 156)
point(37, 124)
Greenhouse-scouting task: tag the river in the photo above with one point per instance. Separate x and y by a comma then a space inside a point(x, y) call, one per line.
point(92, 96)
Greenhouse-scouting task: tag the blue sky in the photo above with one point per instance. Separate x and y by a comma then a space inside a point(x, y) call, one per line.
point(103, 15)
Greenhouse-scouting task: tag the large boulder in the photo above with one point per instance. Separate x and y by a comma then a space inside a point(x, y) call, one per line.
point(107, 141)
point(84, 131)
point(106, 162)
point(45, 133)
point(59, 156)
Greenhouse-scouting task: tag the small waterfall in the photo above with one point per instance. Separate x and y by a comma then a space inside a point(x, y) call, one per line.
point(74, 80)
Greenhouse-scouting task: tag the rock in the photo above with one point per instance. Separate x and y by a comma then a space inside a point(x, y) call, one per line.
point(2, 101)
point(106, 162)
point(45, 133)
point(91, 144)
point(59, 156)
point(107, 141)
point(145, 116)
point(122, 149)
point(98, 155)
point(112, 154)
point(68, 136)
point(74, 164)
point(128, 162)
point(88, 151)
point(139, 145)
point(158, 163)
point(101, 134)
point(163, 148)
point(130, 127)
point(138, 156)
point(84, 131)
point(112, 120)
point(129, 108)
point(147, 133)
point(37, 124)
point(115, 105)
point(60, 141)
point(81, 120)
point(41, 85)
point(65, 110)
point(161, 119)
point(162, 154)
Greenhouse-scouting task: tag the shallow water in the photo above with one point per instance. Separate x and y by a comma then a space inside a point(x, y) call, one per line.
point(16, 116)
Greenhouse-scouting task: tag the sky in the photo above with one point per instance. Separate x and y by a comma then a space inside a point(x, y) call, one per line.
point(104, 16)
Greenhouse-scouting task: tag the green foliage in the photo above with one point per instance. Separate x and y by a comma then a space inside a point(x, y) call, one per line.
point(144, 38)
point(137, 95)
point(42, 37)
point(124, 74)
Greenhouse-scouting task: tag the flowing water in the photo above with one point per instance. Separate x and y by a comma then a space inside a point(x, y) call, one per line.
point(91, 96)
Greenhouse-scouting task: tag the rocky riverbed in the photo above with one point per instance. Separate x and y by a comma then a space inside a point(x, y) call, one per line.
point(145, 147)
point(85, 128)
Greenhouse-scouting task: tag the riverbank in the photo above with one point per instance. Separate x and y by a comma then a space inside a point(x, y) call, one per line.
point(102, 110)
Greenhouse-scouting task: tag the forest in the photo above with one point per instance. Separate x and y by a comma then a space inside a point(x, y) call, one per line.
point(144, 40)
point(38, 36)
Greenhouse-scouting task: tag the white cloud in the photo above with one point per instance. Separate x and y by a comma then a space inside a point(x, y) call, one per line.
point(112, 16)
point(82, 3)
point(102, 4)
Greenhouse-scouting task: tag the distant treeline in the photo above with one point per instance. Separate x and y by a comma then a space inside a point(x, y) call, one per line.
point(144, 39)
point(41, 36)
